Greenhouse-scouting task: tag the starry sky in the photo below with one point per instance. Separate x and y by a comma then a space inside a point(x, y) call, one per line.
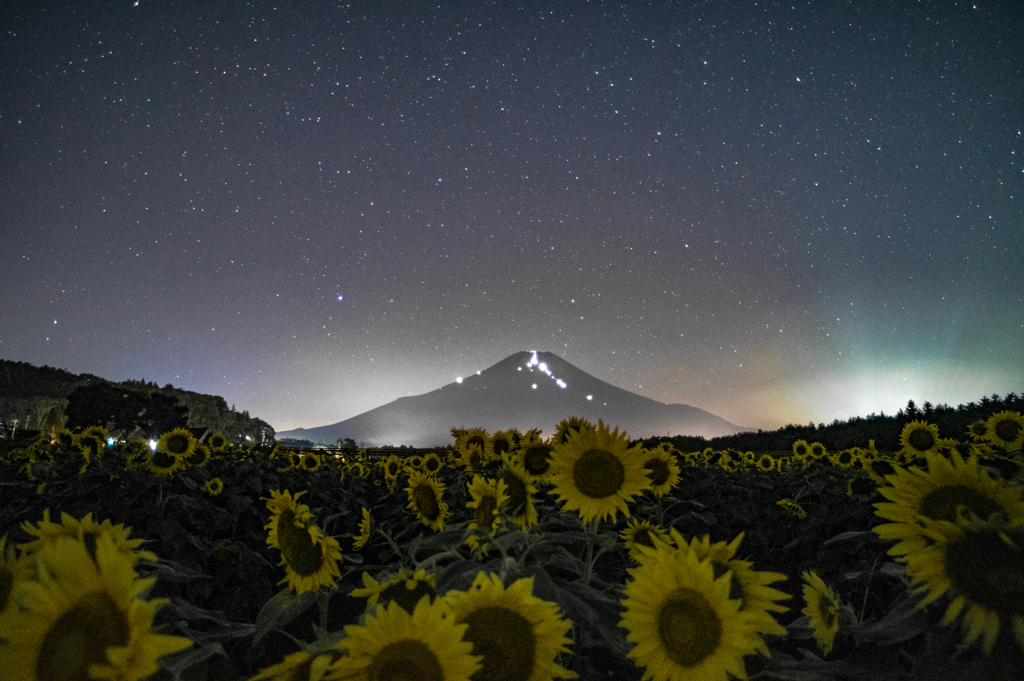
point(777, 212)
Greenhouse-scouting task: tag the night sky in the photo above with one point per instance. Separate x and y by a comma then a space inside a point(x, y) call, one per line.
point(777, 212)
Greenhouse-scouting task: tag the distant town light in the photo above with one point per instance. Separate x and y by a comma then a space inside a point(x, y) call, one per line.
point(152, 445)
point(534, 386)
point(458, 379)
point(590, 397)
point(560, 383)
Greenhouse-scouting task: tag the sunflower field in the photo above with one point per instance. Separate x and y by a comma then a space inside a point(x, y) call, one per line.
point(509, 556)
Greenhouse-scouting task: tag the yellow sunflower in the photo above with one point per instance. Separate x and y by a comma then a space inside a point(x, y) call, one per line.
point(432, 463)
point(300, 666)
point(214, 486)
point(517, 634)
point(473, 443)
point(948, 490)
point(765, 462)
point(83, 617)
point(823, 607)
point(309, 461)
point(919, 438)
point(392, 467)
point(980, 566)
point(404, 588)
point(365, 529)
point(792, 508)
point(536, 456)
point(569, 427)
point(394, 644)
point(89, 445)
point(502, 442)
point(199, 456)
point(162, 462)
point(1005, 429)
point(519, 492)
point(641, 533)
point(98, 432)
point(801, 448)
point(310, 557)
point(748, 585)
point(471, 458)
point(85, 530)
point(977, 430)
point(487, 496)
point(178, 442)
point(879, 468)
point(426, 498)
point(597, 473)
point(662, 469)
point(682, 622)
point(217, 442)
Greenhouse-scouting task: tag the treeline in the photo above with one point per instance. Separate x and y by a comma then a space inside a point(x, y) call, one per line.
point(44, 398)
point(952, 423)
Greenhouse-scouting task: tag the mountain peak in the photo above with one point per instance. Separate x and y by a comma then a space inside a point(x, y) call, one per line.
point(528, 389)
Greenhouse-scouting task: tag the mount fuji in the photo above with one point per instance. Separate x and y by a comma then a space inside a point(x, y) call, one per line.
point(525, 390)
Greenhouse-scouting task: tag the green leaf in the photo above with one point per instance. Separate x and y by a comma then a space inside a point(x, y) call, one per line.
point(179, 662)
point(280, 610)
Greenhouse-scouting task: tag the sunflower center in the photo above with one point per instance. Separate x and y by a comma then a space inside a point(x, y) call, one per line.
point(500, 446)
point(177, 444)
point(657, 471)
point(432, 464)
point(79, 638)
point(800, 450)
point(310, 462)
point(921, 439)
point(164, 459)
point(516, 490)
point(827, 610)
point(987, 570)
point(392, 469)
point(198, 457)
point(882, 468)
point(689, 628)
point(475, 460)
point(505, 639)
point(6, 585)
point(485, 511)
point(302, 554)
point(643, 537)
point(426, 502)
point(949, 501)
point(475, 440)
point(1007, 430)
point(537, 460)
point(405, 597)
point(405, 660)
point(598, 474)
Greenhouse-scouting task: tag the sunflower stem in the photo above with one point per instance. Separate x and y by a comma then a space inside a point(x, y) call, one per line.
point(588, 569)
point(394, 546)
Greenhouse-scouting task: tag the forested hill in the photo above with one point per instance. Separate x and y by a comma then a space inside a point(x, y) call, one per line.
point(952, 423)
point(47, 397)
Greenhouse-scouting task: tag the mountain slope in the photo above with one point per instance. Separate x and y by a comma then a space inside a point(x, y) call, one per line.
point(522, 391)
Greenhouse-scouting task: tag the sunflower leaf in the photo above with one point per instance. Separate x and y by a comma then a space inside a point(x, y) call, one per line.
point(280, 610)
